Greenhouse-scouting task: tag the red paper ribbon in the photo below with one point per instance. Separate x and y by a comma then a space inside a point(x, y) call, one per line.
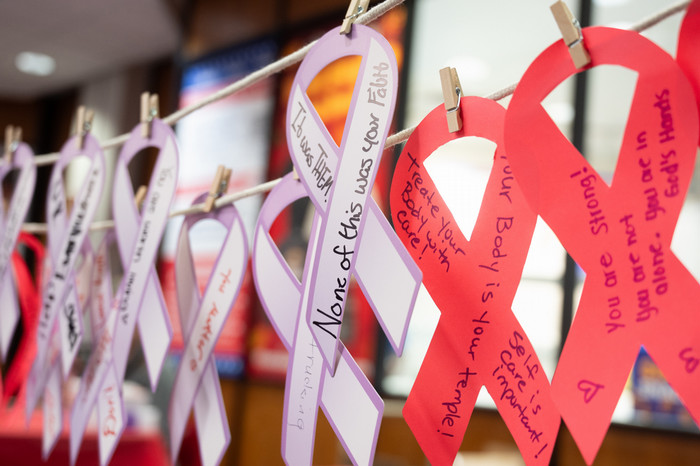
point(636, 291)
point(478, 340)
point(29, 300)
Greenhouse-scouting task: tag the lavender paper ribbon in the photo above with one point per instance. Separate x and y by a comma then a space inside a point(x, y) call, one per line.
point(202, 318)
point(111, 412)
point(339, 181)
point(138, 238)
point(10, 223)
point(99, 386)
point(138, 243)
point(59, 298)
point(352, 406)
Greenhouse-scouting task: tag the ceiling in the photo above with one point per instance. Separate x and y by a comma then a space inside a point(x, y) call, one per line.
point(88, 39)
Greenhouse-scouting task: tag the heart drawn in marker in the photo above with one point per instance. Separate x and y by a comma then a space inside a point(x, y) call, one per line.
point(589, 389)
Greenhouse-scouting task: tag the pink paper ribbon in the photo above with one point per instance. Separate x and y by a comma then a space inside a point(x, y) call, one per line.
point(66, 239)
point(202, 318)
point(339, 181)
point(10, 223)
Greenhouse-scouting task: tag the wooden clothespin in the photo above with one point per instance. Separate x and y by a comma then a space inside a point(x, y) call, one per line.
point(356, 8)
point(218, 187)
point(140, 196)
point(84, 124)
point(451, 93)
point(149, 111)
point(571, 33)
point(13, 136)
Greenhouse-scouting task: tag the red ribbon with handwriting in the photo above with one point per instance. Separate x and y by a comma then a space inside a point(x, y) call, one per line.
point(196, 384)
point(478, 340)
point(636, 291)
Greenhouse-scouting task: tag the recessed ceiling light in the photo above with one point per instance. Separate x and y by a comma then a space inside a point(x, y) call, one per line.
point(35, 63)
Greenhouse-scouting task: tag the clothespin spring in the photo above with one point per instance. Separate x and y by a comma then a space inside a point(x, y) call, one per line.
point(451, 93)
point(458, 91)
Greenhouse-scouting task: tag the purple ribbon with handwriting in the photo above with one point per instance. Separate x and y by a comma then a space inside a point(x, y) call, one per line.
point(339, 181)
point(352, 406)
point(202, 318)
point(349, 235)
point(138, 238)
point(10, 223)
point(111, 414)
point(100, 389)
point(60, 322)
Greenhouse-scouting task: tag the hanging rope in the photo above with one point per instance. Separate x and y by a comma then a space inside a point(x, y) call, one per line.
point(274, 68)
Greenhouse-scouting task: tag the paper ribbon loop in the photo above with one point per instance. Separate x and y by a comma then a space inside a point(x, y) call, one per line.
point(636, 291)
point(138, 237)
point(309, 382)
point(339, 181)
point(202, 318)
point(10, 223)
point(478, 340)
